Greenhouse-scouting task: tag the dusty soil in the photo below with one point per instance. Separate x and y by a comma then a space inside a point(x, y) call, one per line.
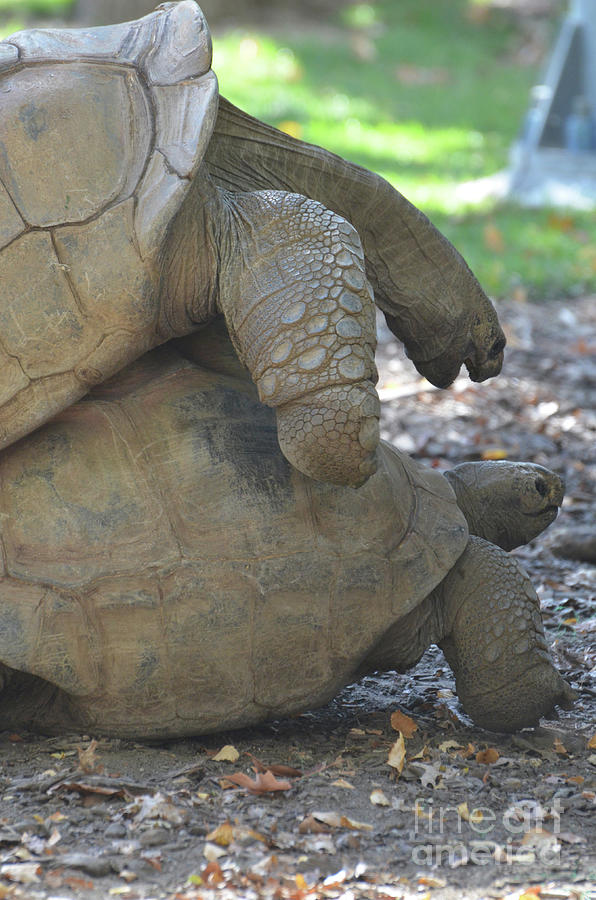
point(471, 814)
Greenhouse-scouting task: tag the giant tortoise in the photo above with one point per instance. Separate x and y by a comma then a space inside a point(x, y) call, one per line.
point(133, 209)
point(167, 572)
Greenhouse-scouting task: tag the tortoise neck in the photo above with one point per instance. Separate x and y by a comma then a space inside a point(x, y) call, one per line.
point(190, 264)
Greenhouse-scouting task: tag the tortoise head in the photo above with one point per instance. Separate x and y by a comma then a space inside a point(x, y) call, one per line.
point(478, 343)
point(508, 503)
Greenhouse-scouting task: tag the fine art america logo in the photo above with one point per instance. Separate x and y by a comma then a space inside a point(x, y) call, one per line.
point(530, 834)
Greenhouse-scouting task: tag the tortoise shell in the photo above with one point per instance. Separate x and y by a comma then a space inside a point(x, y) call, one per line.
point(102, 132)
point(171, 573)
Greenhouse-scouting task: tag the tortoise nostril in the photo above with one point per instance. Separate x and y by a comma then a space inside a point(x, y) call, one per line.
point(541, 486)
point(497, 348)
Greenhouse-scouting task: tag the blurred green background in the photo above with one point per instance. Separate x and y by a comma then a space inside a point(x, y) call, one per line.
point(429, 93)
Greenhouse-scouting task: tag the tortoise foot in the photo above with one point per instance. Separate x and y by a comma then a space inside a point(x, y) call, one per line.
point(495, 641)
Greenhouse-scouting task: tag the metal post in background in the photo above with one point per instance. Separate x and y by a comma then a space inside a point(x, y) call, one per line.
point(554, 158)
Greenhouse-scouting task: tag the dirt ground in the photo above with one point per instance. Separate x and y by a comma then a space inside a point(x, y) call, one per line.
point(317, 810)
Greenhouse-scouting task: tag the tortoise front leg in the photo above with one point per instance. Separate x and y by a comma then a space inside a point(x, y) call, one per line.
point(485, 616)
point(300, 314)
point(493, 639)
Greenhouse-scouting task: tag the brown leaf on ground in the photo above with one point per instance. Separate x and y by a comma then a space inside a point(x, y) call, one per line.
point(222, 835)
point(397, 755)
point(283, 770)
point(310, 825)
point(488, 756)
point(338, 820)
point(228, 753)
point(22, 873)
point(158, 806)
point(379, 798)
point(264, 783)
point(212, 873)
point(403, 723)
point(467, 752)
point(81, 787)
point(88, 760)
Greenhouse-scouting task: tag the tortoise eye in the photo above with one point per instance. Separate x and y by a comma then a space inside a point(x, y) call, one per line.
point(497, 348)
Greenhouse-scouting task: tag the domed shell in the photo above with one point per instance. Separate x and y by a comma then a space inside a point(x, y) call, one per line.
point(102, 132)
point(183, 577)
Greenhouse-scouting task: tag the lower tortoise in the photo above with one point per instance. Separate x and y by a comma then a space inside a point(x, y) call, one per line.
point(167, 572)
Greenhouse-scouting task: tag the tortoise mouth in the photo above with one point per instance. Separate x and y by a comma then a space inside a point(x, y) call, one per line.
point(550, 510)
point(487, 369)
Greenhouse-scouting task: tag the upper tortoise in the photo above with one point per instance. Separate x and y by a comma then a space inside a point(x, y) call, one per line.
point(134, 207)
point(183, 577)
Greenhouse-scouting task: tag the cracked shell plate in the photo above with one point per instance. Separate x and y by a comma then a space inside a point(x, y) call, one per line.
point(102, 131)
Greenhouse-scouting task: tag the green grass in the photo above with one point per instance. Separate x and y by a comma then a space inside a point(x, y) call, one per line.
point(22, 9)
point(422, 93)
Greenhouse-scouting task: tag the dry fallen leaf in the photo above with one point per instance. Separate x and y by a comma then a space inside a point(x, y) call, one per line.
point(212, 873)
point(99, 790)
point(228, 753)
point(127, 875)
point(337, 820)
point(473, 816)
point(538, 837)
point(469, 751)
point(559, 747)
point(422, 754)
point(22, 873)
point(592, 743)
point(378, 798)
point(159, 806)
point(88, 761)
point(397, 755)
point(342, 783)
point(310, 825)
point(264, 783)
point(222, 835)
point(576, 779)
point(404, 724)
point(430, 881)
point(283, 770)
point(488, 756)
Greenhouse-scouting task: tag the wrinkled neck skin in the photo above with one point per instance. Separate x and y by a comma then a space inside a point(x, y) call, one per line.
point(199, 237)
point(432, 301)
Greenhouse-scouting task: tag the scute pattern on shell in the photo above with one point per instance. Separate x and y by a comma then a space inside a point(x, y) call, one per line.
point(114, 123)
point(183, 576)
